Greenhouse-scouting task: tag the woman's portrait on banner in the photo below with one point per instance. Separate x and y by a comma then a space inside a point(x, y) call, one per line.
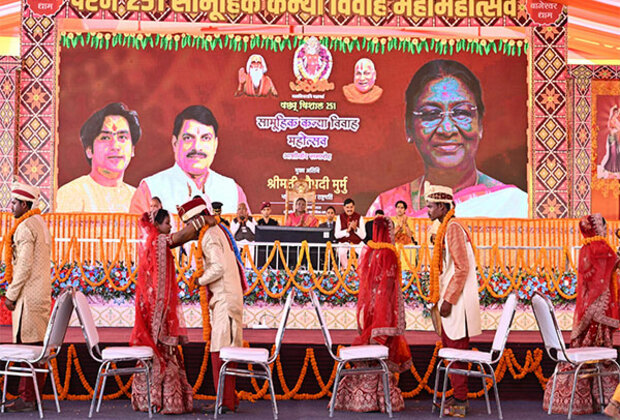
point(444, 119)
point(609, 138)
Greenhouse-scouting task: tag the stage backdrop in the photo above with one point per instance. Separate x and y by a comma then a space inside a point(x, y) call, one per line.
point(310, 130)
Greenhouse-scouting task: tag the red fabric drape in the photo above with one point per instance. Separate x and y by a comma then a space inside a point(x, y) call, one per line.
point(380, 306)
point(596, 273)
point(159, 320)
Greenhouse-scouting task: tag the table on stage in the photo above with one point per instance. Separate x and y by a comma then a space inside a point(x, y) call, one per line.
point(290, 239)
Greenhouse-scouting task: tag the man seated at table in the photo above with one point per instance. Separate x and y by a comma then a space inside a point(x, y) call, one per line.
point(266, 220)
point(243, 226)
point(299, 218)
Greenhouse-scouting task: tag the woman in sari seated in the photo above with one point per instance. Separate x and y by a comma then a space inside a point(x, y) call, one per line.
point(595, 319)
point(403, 234)
point(159, 321)
point(299, 217)
point(403, 225)
point(380, 320)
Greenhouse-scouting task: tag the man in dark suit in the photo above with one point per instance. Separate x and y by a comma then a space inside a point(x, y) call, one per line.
point(330, 212)
point(266, 220)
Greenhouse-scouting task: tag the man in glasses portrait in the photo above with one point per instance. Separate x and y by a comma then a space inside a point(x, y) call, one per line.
point(444, 119)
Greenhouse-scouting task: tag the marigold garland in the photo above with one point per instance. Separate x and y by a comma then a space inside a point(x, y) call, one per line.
point(437, 261)
point(383, 245)
point(200, 270)
point(514, 267)
point(540, 262)
point(508, 363)
point(200, 265)
point(597, 238)
point(8, 244)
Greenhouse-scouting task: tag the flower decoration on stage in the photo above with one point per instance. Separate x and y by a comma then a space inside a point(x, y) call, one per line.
point(276, 281)
point(312, 65)
point(90, 278)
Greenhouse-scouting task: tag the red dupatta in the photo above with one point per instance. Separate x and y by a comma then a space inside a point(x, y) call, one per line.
point(597, 290)
point(159, 320)
point(380, 306)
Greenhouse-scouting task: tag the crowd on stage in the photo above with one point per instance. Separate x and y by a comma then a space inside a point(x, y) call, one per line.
point(346, 227)
point(444, 101)
point(159, 320)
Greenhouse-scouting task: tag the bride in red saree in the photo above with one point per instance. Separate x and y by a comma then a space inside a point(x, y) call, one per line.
point(159, 322)
point(595, 319)
point(380, 320)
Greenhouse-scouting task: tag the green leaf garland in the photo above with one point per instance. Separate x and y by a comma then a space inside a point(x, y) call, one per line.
point(278, 43)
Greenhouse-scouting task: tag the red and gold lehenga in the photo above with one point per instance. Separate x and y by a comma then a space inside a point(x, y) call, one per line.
point(160, 325)
point(595, 319)
point(380, 320)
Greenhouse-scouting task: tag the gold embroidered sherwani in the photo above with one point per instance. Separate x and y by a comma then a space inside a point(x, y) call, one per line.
point(31, 288)
point(222, 277)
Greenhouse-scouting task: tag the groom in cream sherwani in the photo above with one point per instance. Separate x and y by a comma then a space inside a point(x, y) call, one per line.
point(458, 304)
point(29, 296)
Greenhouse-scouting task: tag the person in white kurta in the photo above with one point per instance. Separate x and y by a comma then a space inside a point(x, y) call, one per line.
point(458, 289)
point(29, 295)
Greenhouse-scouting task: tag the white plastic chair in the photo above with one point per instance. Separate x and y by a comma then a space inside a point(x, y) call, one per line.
point(256, 357)
point(109, 355)
point(354, 354)
point(480, 358)
point(577, 357)
point(31, 354)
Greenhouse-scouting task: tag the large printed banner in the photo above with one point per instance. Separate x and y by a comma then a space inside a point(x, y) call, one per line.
point(138, 118)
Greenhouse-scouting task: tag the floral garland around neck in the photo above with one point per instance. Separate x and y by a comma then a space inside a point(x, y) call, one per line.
point(596, 238)
point(8, 245)
point(437, 261)
point(200, 270)
point(386, 245)
point(204, 301)
point(200, 265)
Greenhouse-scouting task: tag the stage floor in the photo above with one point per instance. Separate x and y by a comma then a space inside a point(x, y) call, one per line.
point(298, 346)
point(301, 410)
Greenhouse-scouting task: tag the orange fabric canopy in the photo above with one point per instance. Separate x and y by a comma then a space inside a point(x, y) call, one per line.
point(593, 30)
